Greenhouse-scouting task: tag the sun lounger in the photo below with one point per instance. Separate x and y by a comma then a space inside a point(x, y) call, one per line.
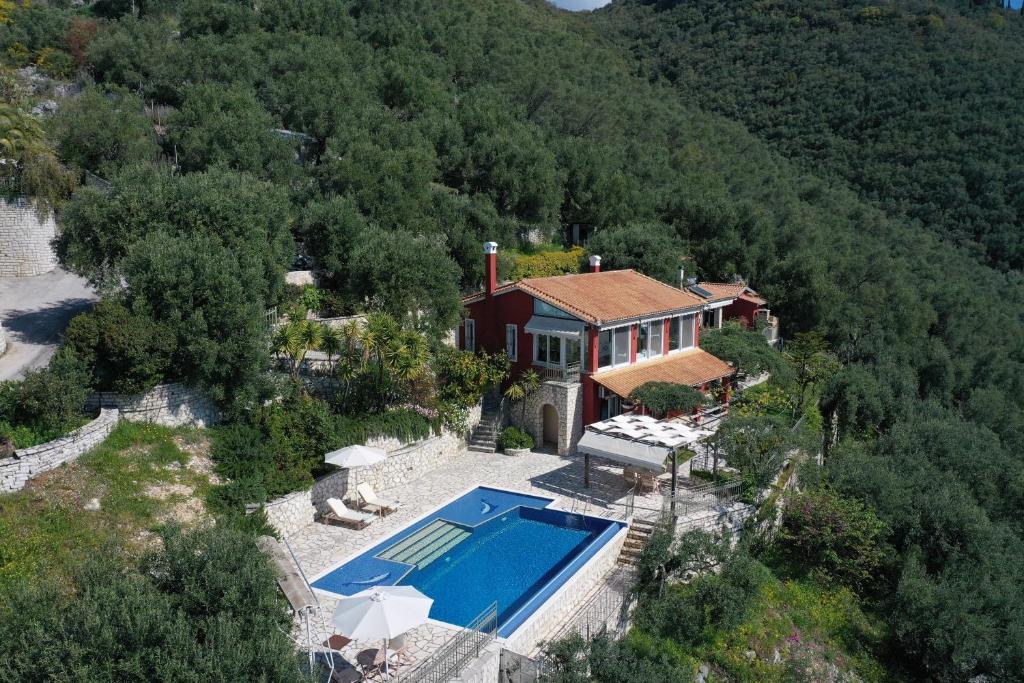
point(340, 514)
point(373, 502)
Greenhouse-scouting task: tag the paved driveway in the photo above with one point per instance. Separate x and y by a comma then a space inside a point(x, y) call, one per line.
point(34, 312)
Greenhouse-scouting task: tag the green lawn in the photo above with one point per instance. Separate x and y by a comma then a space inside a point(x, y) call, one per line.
point(142, 475)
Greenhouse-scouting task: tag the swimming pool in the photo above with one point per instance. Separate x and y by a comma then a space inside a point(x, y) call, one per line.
point(486, 546)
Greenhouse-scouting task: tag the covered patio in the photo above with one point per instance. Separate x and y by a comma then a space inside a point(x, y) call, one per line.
point(642, 445)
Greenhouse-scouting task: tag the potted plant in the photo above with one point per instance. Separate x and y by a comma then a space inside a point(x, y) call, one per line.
point(515, 441)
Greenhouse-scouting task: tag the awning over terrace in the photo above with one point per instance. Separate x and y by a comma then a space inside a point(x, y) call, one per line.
point(539, 324)
point(692, 368)
point(637, 441)
point(623, 451)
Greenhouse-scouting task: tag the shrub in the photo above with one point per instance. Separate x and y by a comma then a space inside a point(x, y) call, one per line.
point(128, 353)
point(836, 536)
point(463, 376)
point(512, 437)
point(204, 602)
point(48, 401)
point(666, 397)
point(547, 263)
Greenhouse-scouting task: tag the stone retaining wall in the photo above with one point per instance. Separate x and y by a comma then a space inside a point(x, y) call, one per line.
point(3, 340)
point(295, 511)
point(27, 463)
point(405, 463)
point(171, 405)
point(25, 239)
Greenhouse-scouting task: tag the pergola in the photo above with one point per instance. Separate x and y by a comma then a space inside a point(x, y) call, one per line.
point(638, 441)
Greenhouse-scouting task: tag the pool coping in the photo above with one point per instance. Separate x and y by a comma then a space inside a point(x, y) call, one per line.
point(539, 609)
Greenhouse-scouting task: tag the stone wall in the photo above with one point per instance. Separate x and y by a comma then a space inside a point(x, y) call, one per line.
point(171, 405)
point(405, 462)
point(25, 239)
point(3, 339)
point(27, 463)
point(567, 399)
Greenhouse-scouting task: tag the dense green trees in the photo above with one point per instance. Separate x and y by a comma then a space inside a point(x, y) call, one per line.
point(201, 606)
point(435, 126)
point(887, 97)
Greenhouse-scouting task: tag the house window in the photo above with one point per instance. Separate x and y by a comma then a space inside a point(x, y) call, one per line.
point(613, 347)
point(686, 330)
point(710, 318)
point(622, 345)
point(545, 309)
point(610, 407)
point(511, 342)
point(604, 348)
point(572, 352)
point(648, 339)
point(549, 349)
point(470, 335)
point(681, 332)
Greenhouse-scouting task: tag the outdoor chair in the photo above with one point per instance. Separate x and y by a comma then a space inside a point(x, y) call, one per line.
point(340, 514)
point(400, 649)
point(373, 502)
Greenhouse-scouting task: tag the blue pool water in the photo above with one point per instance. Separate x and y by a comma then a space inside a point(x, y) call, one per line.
point(486, 546)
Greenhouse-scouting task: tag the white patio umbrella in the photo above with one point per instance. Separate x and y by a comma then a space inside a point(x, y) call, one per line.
point(356, 456)
point(381, 613)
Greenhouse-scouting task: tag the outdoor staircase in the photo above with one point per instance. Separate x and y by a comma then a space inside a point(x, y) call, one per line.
point(484, 438)
point(636, 539)
point(427, 544)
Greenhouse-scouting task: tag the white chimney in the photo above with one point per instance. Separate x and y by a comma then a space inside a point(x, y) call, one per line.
point(595, 264)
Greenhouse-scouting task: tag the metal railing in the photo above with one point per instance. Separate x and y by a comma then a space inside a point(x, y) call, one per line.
point(603, 611)
point(694, 499)
point(448, 662)
point(570, 373)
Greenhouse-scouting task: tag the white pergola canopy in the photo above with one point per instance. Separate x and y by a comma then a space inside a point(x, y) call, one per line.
point(623, 451)
point(638, 440)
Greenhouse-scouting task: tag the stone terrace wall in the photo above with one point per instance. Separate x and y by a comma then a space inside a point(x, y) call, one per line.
point(171, 405)
point(25, 240)
point(27, 463)
point(295, 511)
point(405, 463)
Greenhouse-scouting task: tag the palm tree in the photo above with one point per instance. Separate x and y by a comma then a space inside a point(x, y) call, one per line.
point(519, 390)
point(288, 342)
point(311, 333)
point(331, 341)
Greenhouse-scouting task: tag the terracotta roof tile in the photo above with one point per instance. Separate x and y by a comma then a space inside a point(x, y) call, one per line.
point(610, 295)
point(693, 368)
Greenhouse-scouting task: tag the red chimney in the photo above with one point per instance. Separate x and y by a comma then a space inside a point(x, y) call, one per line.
point(490, 267)
point(595, 264)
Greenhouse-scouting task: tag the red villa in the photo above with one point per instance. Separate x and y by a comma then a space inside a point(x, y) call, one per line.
point(594, 337)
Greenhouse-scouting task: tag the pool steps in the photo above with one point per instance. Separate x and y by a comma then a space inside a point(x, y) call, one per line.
point(426, 545)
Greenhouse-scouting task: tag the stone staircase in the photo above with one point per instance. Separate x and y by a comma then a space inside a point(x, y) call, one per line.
point(484, 438)
point(636, 539)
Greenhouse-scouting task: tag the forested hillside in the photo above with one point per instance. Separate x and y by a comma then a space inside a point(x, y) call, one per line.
point(855, 199)
point(917, 105)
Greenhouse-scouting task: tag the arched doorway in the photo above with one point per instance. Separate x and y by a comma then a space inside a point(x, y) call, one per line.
point(549, 418)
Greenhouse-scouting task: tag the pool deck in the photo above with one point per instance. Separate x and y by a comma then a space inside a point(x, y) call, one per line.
point(320, 547)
